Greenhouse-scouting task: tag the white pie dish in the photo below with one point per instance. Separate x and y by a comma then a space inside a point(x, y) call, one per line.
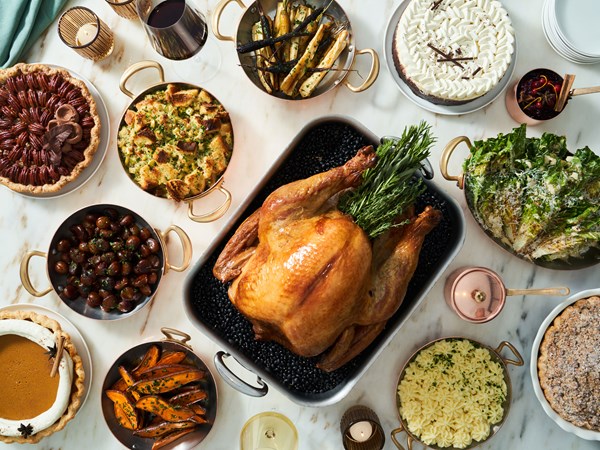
point(565, 425)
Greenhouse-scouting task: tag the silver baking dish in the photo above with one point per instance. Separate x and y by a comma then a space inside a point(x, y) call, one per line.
point(209, 309)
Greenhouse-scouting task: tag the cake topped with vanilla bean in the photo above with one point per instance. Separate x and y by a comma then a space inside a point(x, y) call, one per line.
point(451, 52)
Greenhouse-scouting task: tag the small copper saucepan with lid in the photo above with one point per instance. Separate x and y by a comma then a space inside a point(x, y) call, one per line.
point(495, 355)
point(478, 294)
point(163, 85)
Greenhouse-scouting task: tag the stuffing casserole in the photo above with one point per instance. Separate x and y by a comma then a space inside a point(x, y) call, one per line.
point(176, 143)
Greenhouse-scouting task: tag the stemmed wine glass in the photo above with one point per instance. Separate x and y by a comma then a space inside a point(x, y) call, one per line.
point(269, 431)
point(178, 31)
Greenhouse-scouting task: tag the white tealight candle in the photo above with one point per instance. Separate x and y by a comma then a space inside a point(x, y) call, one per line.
point(86, 34)
point(361, 431)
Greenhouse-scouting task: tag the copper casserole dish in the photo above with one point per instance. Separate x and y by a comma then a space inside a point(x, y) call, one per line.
point(217, 185)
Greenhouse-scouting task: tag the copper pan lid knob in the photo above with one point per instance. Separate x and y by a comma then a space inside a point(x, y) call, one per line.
point(476, 294)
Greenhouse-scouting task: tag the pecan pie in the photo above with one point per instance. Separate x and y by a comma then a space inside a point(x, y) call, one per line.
point(36, 404)
point(49, 128)
point(569, 363)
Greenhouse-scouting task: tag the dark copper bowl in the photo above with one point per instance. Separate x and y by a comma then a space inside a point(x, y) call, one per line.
point(130, 359)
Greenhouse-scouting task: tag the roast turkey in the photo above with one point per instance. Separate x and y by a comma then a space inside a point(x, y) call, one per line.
point(309, 278)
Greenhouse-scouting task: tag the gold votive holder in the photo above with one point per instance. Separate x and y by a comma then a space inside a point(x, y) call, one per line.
point(82, 30)
point(124, 8)
point(361, 429)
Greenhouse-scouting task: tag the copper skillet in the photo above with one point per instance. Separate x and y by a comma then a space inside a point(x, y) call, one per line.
point(496, 356)
point(345, 62)
point(174, 340)
point(590, 258)
point(162, 85)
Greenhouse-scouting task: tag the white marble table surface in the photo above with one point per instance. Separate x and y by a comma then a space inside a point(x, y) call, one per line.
point(263, 127)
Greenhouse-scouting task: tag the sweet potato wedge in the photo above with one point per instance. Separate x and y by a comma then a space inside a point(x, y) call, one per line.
point(162, 428)
point(198, 409)
point(166, 383)
point(171, 358)
point(189, 397)
point(122, 399)
point(172, 437)
point(150, 359)
point(160, 370)
point(171, 413)
point(122, 418)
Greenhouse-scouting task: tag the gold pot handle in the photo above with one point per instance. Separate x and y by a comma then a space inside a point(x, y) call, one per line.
point(216, 19)
point(460, 179)
point(135, 68)
point(518, 362)
point(373, 73)
point(214, 214)
point(186, 245)
point(169, 332)
point(409, 439)
point(24, 272)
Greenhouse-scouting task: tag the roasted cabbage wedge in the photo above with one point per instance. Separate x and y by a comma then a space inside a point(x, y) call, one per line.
point(534, 196)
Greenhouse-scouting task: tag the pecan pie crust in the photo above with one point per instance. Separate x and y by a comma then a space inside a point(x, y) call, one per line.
point(77, 388)
point(30, 95)
point(569, 363)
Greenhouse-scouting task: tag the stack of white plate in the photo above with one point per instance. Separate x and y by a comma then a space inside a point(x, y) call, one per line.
point(572, 29)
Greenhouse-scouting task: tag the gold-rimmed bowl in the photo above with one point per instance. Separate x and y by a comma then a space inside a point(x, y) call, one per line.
point(344, 63)
point(58, 281)
point(495, 354)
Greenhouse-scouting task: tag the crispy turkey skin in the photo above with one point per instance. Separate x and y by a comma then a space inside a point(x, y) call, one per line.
point(309, 278)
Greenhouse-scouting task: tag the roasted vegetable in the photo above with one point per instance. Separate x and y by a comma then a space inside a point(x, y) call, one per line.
point(163, 369)
point(162, 428)
point(534, 196)
point(150, 359)
point(172, 437)
point(171, 358)
point(126, 405)
point(189, 397)
point(167, 382)
point(165, 410)
point(295, 52)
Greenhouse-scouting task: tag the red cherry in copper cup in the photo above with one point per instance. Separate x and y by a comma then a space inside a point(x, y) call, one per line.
point(532, 98)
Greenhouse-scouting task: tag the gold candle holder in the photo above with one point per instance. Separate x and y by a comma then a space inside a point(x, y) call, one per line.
point(361, 429)
point(82, 30)
point(124, 8)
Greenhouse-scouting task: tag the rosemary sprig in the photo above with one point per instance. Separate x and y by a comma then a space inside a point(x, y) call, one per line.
point(388, 189)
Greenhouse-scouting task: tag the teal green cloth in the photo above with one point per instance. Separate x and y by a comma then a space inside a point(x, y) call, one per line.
point(21, 23)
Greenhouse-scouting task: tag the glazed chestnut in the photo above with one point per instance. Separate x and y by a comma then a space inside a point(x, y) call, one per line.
point(109, 261)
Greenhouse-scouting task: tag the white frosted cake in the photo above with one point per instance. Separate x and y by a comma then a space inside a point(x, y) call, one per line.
point(451, 52)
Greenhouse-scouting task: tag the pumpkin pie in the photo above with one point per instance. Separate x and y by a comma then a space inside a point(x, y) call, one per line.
point(568, 364)
point(34, 404)
point(49, 128)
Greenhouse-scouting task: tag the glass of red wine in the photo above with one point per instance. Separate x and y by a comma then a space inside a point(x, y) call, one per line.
point(178, 31)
